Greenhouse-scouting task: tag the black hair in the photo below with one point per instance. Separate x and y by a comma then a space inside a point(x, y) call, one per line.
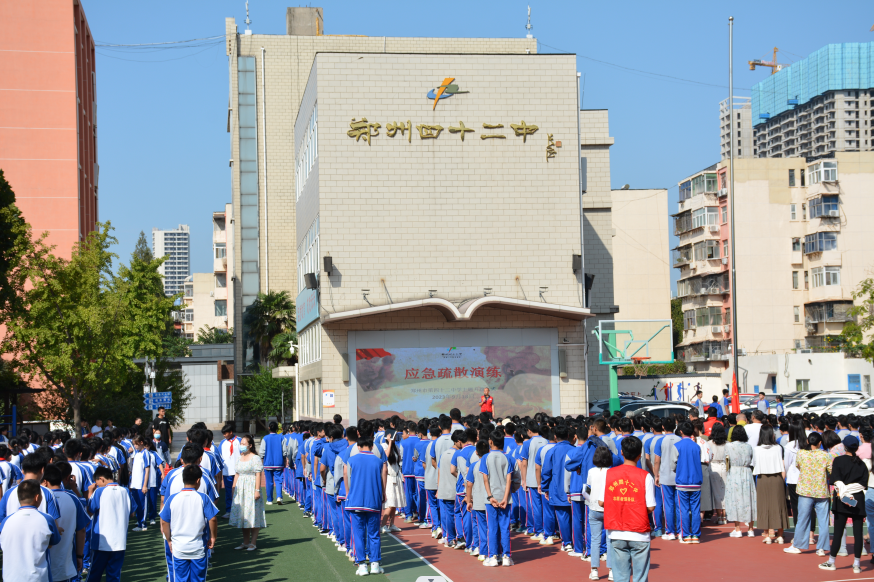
point(718, 435)
point(738, 434)
point(28, 490)
point(273, 426)
point(53, 475)
point(191, 474)
point(228, 427)
point(631, 448)
point(766, 435)
point(33, 464)
point(366, 442)
point(352, 434)
point(445, 423)
point(104, 472)
point(497, 439)
point(602, 457)
point(191, 454)
point(814, 439)
point(830, 439)
point(687, 429)
point(482, 448)
point(561, 433)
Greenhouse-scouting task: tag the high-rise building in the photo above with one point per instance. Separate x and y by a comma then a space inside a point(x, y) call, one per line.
point(176, 245)
point(736, 128)
point(223, 268)
point(817, 106)
point(48, 117)
point(801, 249)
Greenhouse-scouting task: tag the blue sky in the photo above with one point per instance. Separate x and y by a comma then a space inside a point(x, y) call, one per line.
point(163, 147)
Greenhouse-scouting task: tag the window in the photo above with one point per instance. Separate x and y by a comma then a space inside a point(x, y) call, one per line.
point(792, 213)
point(798, 344)
point(189, 290)
point(683, 223)
point(705, 316)
point(689, 319)
point(308, 254)
point(189, 315)
point(685, 190)
point(221, 307)
point(728, 316)
point(218, 224)
point(803, 211)
point(796, 311)
point(802, 385)
point(824, 206)
point(703, 183)
point(309, 151)
point(792, 180)
point(802, 177)
point(820, 241)
point(866, 386)
point(826, 276)
point(706, 250)
point(806, 281)
point(725, 249)
point(220, 250)
point(705, 216)
point(221, 280)
point(311, 344)
point(796, 244)
point(724, 214)
point(822, 172)
point(795, 279)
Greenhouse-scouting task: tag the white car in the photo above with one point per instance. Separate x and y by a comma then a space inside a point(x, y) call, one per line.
point(820, 403)
point(863, 408)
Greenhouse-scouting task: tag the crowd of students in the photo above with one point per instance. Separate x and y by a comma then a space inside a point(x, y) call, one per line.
point(597, 489)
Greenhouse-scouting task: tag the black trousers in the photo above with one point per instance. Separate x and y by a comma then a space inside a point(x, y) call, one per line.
point(793, 501)
point(858, 535)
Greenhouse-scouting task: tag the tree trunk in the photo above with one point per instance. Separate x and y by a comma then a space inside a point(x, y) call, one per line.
point(76, 405)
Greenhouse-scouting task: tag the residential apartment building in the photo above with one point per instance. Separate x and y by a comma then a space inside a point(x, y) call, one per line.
point(198, 299)
point(176, 246)
point(802, 249)
point(223, 267)
point(736, 128)
point(48, 117)
point(817, 106)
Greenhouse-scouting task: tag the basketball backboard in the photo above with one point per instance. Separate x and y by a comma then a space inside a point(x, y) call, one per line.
point(620, 341)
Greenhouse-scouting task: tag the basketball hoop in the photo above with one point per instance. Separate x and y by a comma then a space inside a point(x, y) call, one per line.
point(641, 364)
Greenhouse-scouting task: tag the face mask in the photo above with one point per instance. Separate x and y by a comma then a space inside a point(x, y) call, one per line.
point(244, 448)
point(157, 436)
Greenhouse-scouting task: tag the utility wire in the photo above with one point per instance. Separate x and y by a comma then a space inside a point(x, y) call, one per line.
point(152, 44)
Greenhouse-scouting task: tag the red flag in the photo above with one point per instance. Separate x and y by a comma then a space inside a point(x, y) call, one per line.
point(735, 396)
point(370, 354)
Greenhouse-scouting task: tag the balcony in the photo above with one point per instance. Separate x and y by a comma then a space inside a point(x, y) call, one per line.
point(219, 236)
point(221, 293)
point(220, 265)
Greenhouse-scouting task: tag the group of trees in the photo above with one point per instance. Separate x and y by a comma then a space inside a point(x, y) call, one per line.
point(74, 326)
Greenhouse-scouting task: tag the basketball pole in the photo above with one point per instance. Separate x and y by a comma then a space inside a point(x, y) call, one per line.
point(735, 398)
point(615, 405)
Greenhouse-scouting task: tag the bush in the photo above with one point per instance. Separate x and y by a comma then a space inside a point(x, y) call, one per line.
point(678, 367)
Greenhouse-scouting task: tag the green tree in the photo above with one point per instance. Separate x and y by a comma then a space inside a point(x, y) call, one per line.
point(856, 336)
point(677, 319)
point(176, 346)
point(213, 335)
point(11, 229)
point(142, 252)
point(76, 326)
point(281, 353)
point(261, 395)
point(268, 316)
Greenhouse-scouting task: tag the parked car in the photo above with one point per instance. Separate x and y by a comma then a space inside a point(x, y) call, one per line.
point(820, 403)
point(664, 410)
point(841, 407)
point(599, 406)
point(863, 408)
point(633, 406)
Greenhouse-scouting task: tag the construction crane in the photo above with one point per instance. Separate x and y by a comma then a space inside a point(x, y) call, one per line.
point(774, 65)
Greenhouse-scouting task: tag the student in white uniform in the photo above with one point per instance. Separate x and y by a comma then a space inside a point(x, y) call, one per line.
point(32, 467)
point(142, 474)
point(111, 507)
point(188, 520)
point(26, 536)
point(72, 524)
point(172, 483)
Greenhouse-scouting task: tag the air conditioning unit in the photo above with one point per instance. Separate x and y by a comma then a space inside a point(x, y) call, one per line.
point(714, 228)
point(833, 213)
point(716, 329)
point(224, 317)
point(724, 260)
point(804, 351)
point(726, 328)
point(723, 191)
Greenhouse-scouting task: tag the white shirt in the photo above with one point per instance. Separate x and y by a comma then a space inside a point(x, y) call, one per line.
point(113, 506)
point(597, 480)
point(636, 536)
point(25, 537)
point(792, 471)
point(96, 430)
point(142, 460)
point(230, 453)
point(72, 515)
point(768, 460)
point(753, 429)
point(173, 484)
point(188, 513)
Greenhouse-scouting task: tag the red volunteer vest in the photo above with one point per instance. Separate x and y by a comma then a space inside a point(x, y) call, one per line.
point(625, 500)
point(486, 404)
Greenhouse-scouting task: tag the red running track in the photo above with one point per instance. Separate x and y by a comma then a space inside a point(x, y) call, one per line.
point(716, 558)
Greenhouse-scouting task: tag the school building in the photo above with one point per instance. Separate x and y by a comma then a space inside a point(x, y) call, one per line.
point(430, 194)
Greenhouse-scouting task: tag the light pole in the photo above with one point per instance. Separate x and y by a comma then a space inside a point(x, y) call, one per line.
point(735, 397)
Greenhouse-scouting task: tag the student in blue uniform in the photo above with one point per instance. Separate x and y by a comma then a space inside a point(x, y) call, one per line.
point(419, 471)
point(408, 449)
point(546, 508)
point(366, 475)
point(341, 469)
point(32, 469)
point(274, 463)
point(430, 461)
point(554, 480)
point(497, 477)
point(111, 508)
point(446, 491)
point(460, 464)
point(475, 497)
point(68, 554)
point(26, 536)
point(687, 467)
point(528, 455)
point(188, 521)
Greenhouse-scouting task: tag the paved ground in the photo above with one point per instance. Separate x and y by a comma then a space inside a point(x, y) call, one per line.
point(289, 549)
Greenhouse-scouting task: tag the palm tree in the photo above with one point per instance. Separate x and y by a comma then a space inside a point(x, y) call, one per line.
point(281, 352)
point(269, 315)
point(213, 335)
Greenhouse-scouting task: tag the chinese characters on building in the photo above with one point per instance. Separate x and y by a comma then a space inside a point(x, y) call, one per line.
point(550, 147)
point(456, 372)
point(362, 129)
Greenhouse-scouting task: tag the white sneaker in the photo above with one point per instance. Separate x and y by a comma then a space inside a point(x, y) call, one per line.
point(593, 575)
point(138, 528)
point(152, 522)
point(394, 529)
point(375, 568)
point(424, 526)
point(474, 552)
point(491, 562)
point(751, 534)
point(434, 534)
point(550, 541)
point(341, 548)
point(362, 570)
point(537, 537)
point(792, 550)
point(482, 558)
point(610, 575)
point(575, 554)
point(736, 534)
point(383, 529)
point(439, 530)
point(566, 548)
point(460, 546)
point(821, 553)
point(669, 537)
point(507, 561)
point(271, 503)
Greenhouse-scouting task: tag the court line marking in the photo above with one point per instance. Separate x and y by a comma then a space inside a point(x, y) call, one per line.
point(433, 567)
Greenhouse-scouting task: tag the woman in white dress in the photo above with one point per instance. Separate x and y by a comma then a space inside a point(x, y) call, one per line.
point(247, 512)
point(394, 486)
